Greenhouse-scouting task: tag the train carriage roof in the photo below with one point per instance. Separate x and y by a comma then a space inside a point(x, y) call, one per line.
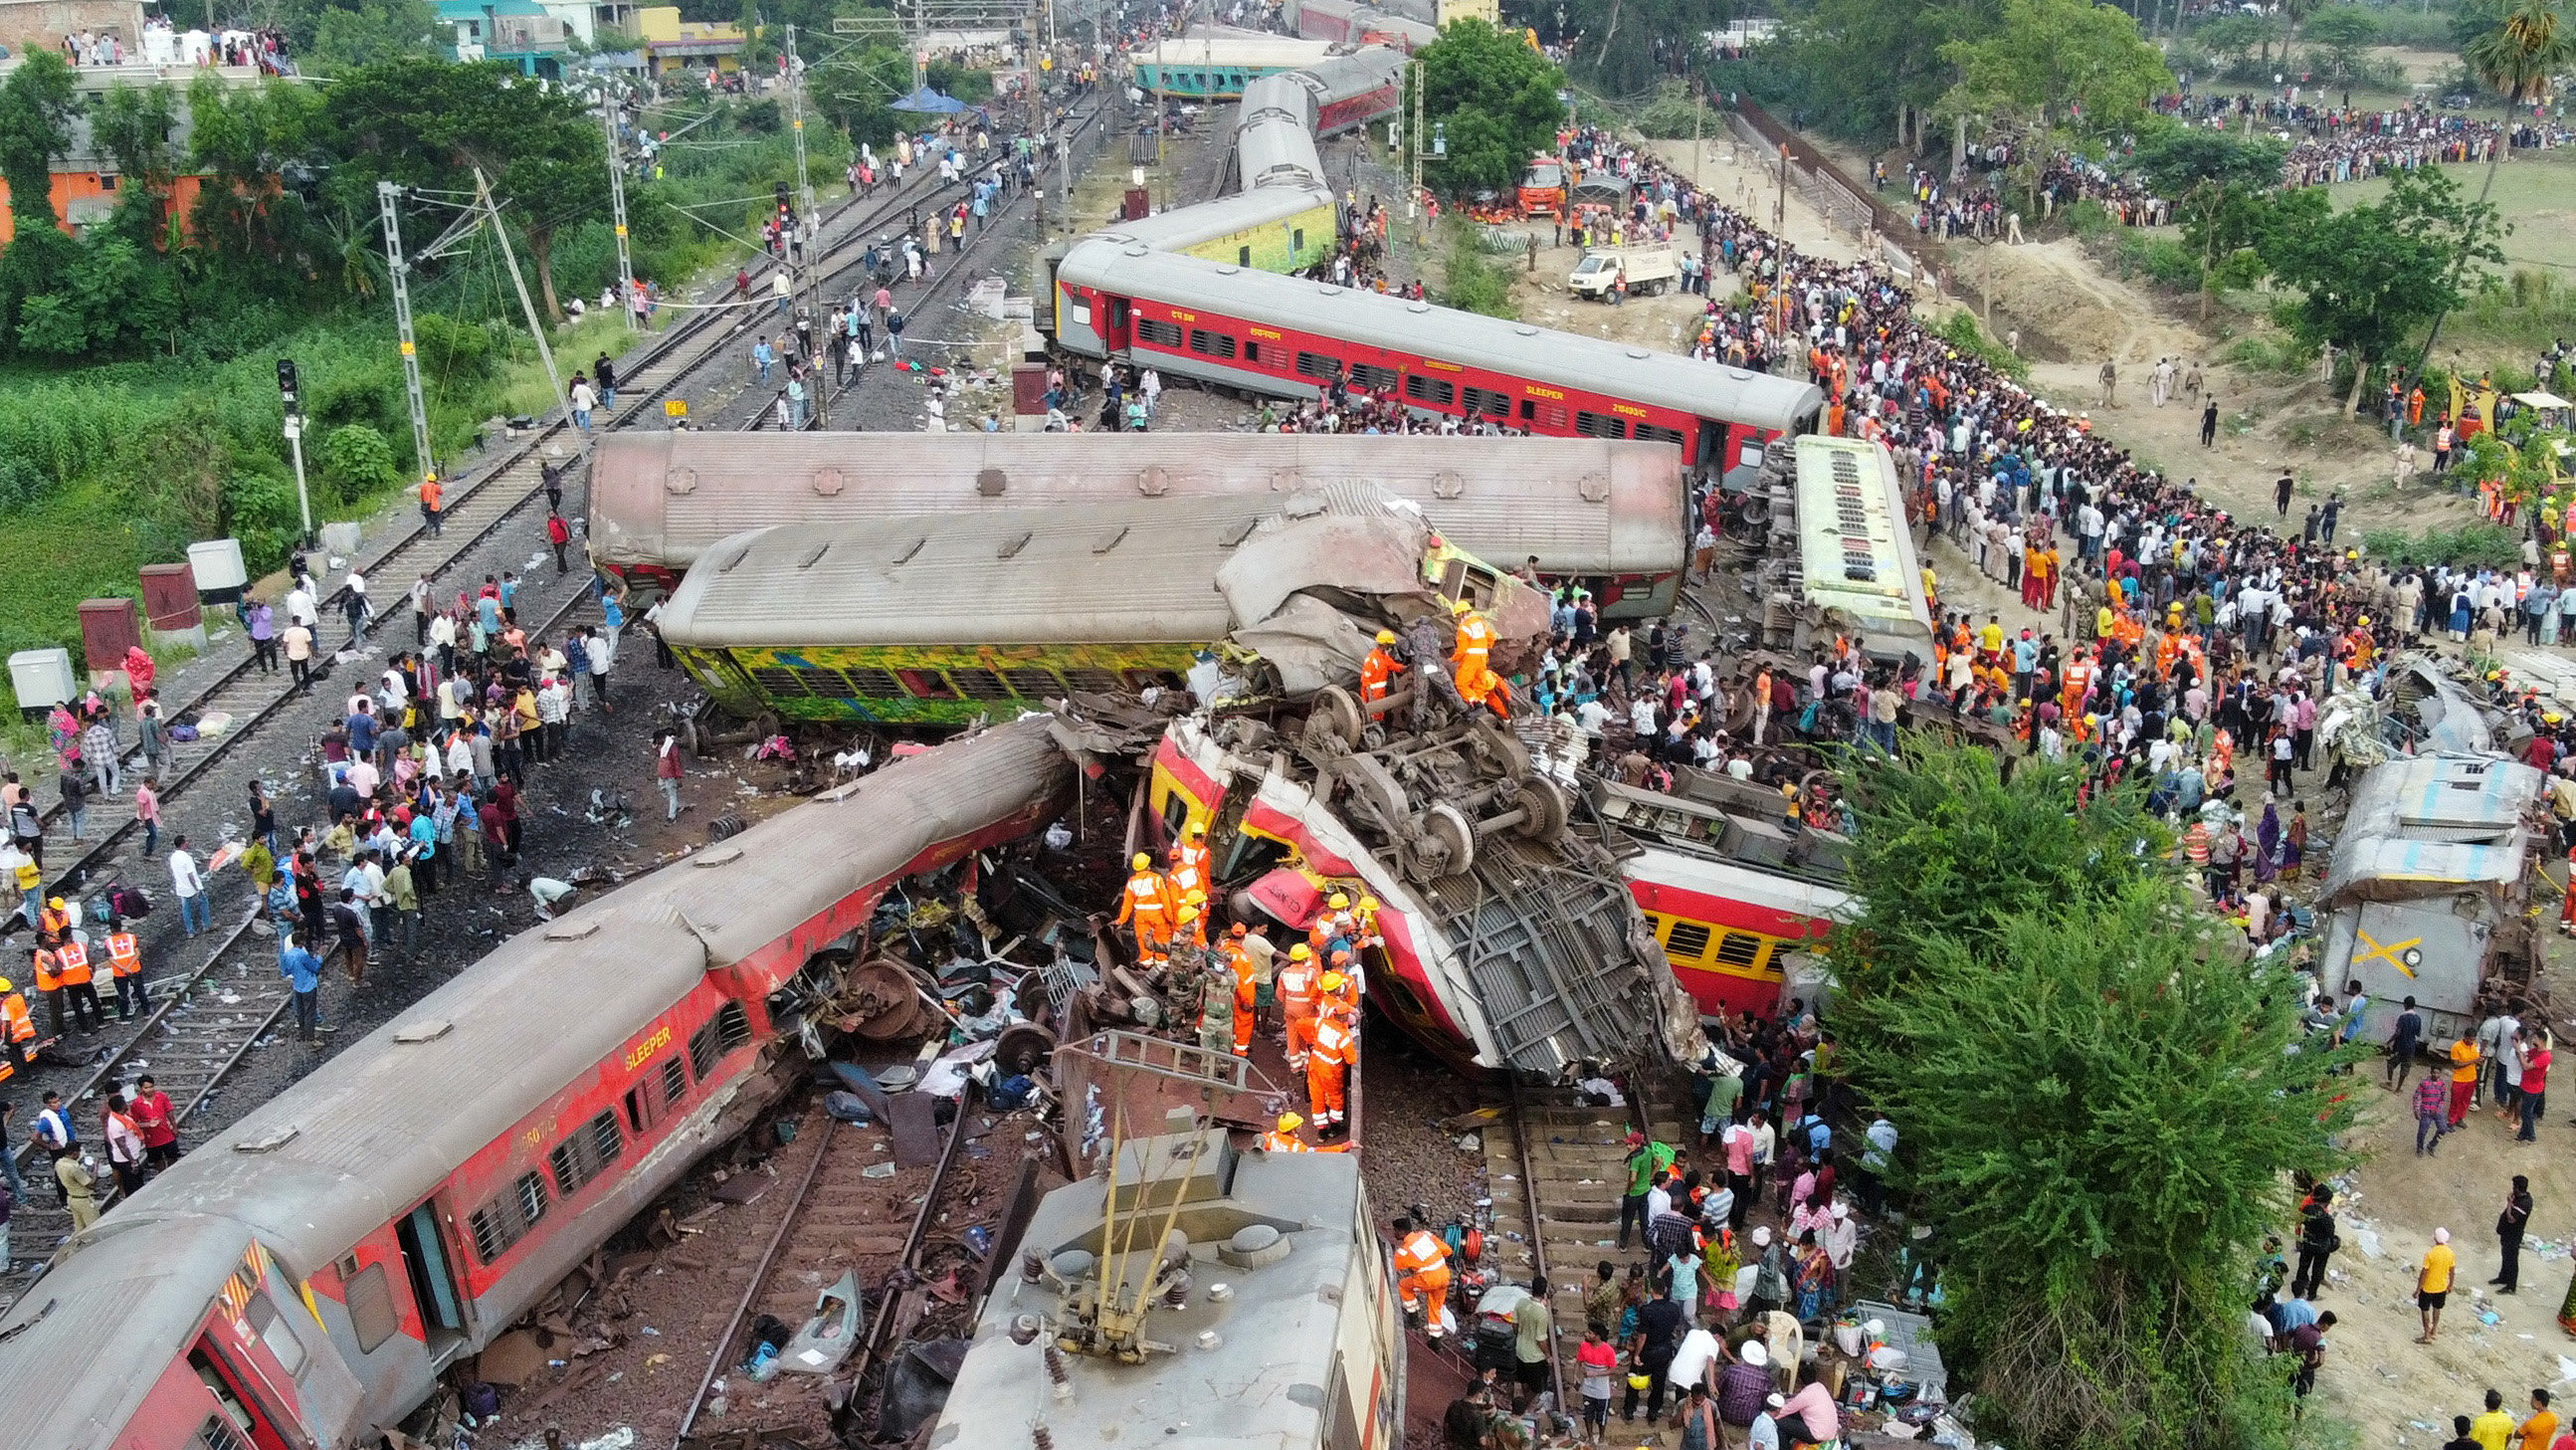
point(87, 1343)
point(1583, 505)
point(383, 1124)
point(1108, 574)
point(1121, 267)
point(1230, 52)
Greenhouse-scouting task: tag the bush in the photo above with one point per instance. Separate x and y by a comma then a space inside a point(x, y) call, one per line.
point(2089, 219)
point(261, 511)
point(2166, 261)
point(452, 352)
point(1962, 332)
point(358, 461)
point(1474, 284)
point(2475, 545)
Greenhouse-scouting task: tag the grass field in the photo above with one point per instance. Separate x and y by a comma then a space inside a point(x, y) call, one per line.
point(2534, 191)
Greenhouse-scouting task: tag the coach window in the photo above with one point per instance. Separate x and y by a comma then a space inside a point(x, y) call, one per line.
point(1599, 425)
point(1656, 433)
point(925, 685)
point(1158, 332)
point(580, 1158)
point(1323, 367)
point(275, 1332)
point(1687, 941)
point(371, 1305)
point(1251, 351)
point(1211, 344)
point(1374, 378)
point(1243, 256)
point(1296, 241)
point(1439, 392)
point(507, 1218)
point(1486, 403)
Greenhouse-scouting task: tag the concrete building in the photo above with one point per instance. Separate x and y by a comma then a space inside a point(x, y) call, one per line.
point(674, 44)
point(519, 33)
point(85, 180)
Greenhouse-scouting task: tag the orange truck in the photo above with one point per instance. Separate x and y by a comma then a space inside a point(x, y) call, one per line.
point(1543, 187)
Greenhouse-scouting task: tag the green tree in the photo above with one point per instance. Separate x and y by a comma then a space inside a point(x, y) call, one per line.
point(241, 141)
point(2345, 31)
point(2370, 276)
point(349, 37)
point(2223, 224)
point(37, 104)
point(1495, 101)
point(2231, 37)
point(2099, 1099)
point(2058, 63)
point(358, 461)
point(2176, 158)
point(425, 123)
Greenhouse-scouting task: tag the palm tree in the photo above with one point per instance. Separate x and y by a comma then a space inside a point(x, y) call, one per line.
point(2516, 60)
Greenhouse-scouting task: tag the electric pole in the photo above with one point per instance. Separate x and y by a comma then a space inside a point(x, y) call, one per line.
point(536, 326)
point(617, 210)
point(1413, 143)
point(424, 464)
point(796, 123)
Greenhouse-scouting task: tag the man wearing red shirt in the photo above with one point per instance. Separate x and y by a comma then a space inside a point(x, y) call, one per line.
point(156, 1122)
point(2535, 1085)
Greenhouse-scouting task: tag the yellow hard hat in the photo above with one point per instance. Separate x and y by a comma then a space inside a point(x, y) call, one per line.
point(1300, 953)
point(1195, 897)
point(1290, 1122)
point(1143, 862)
point(1367, 902)
point(1459, 606)
point(7, 986)
point(1386, 636)
point(2365, 621)
point(1336, 901)
point(56, 903)
point(1189, 913)
point(1333, 981)
point(1198, 828)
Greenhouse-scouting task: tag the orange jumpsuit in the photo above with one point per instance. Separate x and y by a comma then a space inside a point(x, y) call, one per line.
point(1377, 674)
point(1476, 677)
point(1245, 1000)
point(1297, 1007)
point(1422, 1270)
point(1327, 1068)
point(1148, 906)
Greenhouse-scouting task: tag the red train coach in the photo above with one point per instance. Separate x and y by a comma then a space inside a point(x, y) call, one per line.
point(302, 1279)
point(1116, 297)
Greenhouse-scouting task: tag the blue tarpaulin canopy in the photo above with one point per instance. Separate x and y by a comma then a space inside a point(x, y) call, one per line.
point(929, 101)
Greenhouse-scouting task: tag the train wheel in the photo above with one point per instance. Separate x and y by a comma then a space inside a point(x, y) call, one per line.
point(1544, 809)
point(1443, 844)
point(1335, 713)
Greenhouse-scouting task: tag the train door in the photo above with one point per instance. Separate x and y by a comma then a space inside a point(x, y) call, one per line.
point(241, 1420)
point(427, 1265)
point(1711, 449)
point(1117, 324)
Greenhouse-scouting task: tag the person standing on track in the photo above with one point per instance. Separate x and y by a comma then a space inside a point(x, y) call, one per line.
point(303, 973)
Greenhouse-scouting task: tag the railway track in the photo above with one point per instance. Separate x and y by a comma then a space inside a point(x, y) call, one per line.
point(1555, 1171)
point(201, 1044)
point(205, 1022)
point(246, 700)
point(906, 1237)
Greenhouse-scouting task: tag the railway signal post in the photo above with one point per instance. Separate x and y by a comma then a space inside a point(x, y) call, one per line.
point(289, 391)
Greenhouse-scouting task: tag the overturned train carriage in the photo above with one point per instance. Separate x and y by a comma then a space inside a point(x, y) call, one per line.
point(1613, 513)
point(305, 1276)
point(941, 619)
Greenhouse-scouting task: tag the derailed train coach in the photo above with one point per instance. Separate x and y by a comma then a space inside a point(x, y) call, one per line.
point(1613, 514)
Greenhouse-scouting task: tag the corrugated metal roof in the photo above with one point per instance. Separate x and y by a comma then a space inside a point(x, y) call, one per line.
point(1662, 379)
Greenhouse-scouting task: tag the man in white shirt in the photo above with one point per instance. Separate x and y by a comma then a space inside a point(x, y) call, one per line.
point(195, 912)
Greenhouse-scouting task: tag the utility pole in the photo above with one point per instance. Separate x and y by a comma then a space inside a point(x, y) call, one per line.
point(1780, 260)
point(1413, 136)
point(290, 391)
point(1038, 15)
point(796, 123)
point(617, 210)
point(536, 327)
point(1699, 114)
point(386, 194)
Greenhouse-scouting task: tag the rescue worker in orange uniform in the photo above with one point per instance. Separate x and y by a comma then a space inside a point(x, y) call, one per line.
point(1190, 860)
point(1284, 1139)
point(125, 965)
point(72, 968)
point(1147, 905)
point(1332, 924)
point(17, 1025)
point(1472, 658)
point(1421, 1273)
point(54, 923)
point(1340, 983)
point(1328, 1066)
point(1378, 671)
point(1246, 991)
point(49, 983)
point(1297, 982)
